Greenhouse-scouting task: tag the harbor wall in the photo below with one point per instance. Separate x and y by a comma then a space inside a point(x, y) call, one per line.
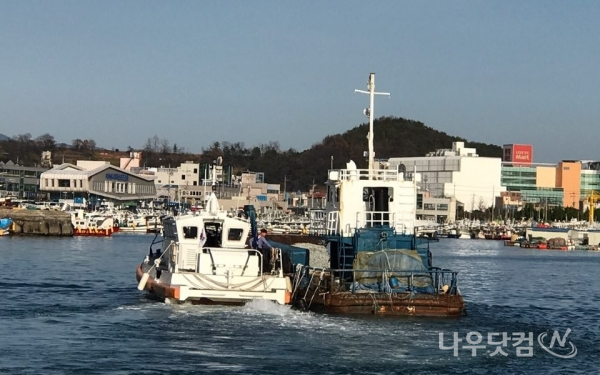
point(39, 222)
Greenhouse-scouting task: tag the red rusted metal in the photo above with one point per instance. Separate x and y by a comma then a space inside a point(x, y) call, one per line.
point(323, 296)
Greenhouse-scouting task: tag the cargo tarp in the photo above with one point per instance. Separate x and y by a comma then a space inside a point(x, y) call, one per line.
point(5, 223)
point(393, 262)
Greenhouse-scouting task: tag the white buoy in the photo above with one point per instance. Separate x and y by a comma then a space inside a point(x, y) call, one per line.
point(143, 281)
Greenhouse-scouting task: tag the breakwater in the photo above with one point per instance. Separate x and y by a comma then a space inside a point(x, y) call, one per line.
point(39, 222)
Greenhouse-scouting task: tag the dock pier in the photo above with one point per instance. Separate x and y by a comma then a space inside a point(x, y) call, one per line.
point(39, 222)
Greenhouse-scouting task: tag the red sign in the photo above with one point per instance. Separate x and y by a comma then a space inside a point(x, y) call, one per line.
point(518, 154)
point(521, 154)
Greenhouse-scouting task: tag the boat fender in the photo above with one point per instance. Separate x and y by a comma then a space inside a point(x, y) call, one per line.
point(146, 275)
point(143, 281)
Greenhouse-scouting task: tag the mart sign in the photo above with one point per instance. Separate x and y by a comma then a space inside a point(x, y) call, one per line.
point(518, 154)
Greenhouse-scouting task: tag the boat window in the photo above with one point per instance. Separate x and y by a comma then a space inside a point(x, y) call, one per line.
point(213, 234)
point(190, 232)
point(235, 234)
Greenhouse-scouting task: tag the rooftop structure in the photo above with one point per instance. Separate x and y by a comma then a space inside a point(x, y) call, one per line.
point(457, 172)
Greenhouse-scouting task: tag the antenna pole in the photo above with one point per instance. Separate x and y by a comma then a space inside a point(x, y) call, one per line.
point(369, 112)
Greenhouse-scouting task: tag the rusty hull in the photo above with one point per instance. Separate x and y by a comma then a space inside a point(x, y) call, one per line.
point(393, 304)
point(387, 304)
point(327, 298)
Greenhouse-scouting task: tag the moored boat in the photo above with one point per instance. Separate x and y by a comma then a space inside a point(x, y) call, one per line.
point(92, 224)
point(379, 264)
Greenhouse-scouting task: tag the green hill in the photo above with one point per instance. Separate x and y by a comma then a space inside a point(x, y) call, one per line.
point(394, 137)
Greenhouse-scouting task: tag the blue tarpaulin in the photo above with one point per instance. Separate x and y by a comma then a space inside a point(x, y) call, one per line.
point(5, 223)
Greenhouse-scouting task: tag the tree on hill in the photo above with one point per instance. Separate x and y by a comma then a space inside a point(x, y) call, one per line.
point(46, 141)
point(394, 137)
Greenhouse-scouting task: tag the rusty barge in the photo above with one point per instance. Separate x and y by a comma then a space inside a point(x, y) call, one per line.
point(378, 264)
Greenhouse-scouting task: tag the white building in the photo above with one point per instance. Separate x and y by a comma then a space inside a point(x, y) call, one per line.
point(187, 174)
point(458, 172)
point(92, 182)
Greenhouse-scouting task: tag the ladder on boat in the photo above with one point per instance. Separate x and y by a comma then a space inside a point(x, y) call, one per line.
point(346, 254)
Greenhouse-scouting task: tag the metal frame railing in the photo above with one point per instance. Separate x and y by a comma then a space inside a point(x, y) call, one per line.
point(439, 276)
point(365, 219)
point(276, 257)
point(377, 174)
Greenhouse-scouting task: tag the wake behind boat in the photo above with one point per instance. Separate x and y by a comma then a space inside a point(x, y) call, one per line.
point(203, 259)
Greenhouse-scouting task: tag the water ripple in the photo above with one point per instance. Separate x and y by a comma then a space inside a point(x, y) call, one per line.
point(71, 307)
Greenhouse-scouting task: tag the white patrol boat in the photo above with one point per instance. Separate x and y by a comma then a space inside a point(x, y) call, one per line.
point(203, 259)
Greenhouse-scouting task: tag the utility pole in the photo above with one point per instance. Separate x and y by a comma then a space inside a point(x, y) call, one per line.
point(493, 199)
point(312, 195)
point(369, 112)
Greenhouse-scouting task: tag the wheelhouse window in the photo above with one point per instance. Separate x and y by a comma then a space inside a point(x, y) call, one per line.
point(190, 232)
point(235, 234)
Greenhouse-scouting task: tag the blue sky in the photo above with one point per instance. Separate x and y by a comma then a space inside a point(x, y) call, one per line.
point(195, 72)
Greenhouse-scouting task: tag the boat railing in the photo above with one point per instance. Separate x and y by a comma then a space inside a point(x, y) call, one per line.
point(366, 219)
point(442, 281)
point(332, 223)
point(276, 259)
point(214, 265)
point(369, 219)
point(377, 174)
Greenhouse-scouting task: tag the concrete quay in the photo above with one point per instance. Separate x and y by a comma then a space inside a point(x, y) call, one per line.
point(39, 222)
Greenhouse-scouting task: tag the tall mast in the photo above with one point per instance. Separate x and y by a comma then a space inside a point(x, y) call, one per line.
point(369, 112)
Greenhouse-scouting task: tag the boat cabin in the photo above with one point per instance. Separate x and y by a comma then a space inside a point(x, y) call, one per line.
point(194, 235)
point(382, 197)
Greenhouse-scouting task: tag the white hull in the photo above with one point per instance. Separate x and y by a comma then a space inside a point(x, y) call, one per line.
point(197, 288)
point(203, 259)
point(133, 230)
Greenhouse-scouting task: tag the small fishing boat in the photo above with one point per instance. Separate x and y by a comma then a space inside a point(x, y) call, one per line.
point(92, 224)
point(454, 233)
point(379, 264)
point(202, 258)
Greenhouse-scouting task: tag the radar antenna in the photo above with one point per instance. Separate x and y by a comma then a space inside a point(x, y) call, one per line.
point(369, 112)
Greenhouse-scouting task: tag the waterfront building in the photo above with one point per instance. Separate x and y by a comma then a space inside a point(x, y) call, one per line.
point(186, 174)
point(93, 183)
point(459, 172)
point(590, 177)
point(566, 184)
point(20, 181)
point(441, 210)
point(535, 183)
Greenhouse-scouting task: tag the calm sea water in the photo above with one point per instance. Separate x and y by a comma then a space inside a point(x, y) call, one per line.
point(70, 306)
